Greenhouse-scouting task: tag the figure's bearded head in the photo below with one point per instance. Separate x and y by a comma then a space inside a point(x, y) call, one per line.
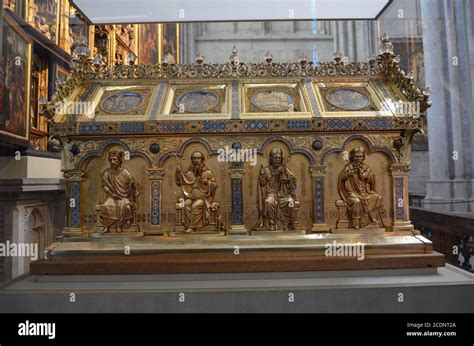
point(197, 163)
point(357, 157)
point(115, 158)
point(276, 157)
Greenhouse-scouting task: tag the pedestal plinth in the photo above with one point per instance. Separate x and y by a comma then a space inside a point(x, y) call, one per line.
point(217, 254)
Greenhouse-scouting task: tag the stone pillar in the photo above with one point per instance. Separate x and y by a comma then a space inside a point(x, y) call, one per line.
point(469, 18)
point(237, 226)
point(354, 39)
point(318, 173)
point(155, 176)
point(74, 179)
point(462, 17)
point(401, 208)
point(188, 52)
point(450, 124)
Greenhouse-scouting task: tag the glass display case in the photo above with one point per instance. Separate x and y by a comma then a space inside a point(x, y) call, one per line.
point(257, 139)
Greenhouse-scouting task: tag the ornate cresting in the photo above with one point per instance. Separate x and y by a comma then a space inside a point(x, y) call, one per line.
point(386, 65)
point(251, 155)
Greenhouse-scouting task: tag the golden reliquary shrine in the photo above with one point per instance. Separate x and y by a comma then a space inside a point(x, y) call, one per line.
point(237, 167)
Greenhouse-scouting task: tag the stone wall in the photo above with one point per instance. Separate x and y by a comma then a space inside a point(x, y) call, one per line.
point(286, 40)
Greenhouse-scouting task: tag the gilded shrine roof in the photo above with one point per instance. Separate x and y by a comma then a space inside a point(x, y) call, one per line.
point(238, 96)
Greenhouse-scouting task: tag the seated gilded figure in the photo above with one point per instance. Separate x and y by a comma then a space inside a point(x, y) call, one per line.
point(118, 201)
point(276, 196)
point(197, 208)
point(357, 189)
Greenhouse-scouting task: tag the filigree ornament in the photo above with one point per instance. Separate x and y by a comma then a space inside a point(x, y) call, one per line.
point(385, 65)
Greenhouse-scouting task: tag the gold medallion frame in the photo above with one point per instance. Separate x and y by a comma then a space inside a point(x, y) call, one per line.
point(175, 89)
point(301, 107)
point(377, 106)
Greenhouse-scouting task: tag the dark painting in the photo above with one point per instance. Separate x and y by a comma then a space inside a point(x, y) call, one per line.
point(148, 44)
point(14, 114)
point(412, 59)
point(170, 43)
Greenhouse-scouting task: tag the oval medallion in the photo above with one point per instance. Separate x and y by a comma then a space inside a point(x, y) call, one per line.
point(123, 102)
point(347, 99)
point(198, 101)
point(273, 101)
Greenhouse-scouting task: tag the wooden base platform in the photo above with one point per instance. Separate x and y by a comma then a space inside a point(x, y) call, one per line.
point(220, 254)
point(242, 264)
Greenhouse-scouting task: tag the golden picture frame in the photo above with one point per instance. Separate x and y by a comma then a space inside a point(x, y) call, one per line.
point(17, 86)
